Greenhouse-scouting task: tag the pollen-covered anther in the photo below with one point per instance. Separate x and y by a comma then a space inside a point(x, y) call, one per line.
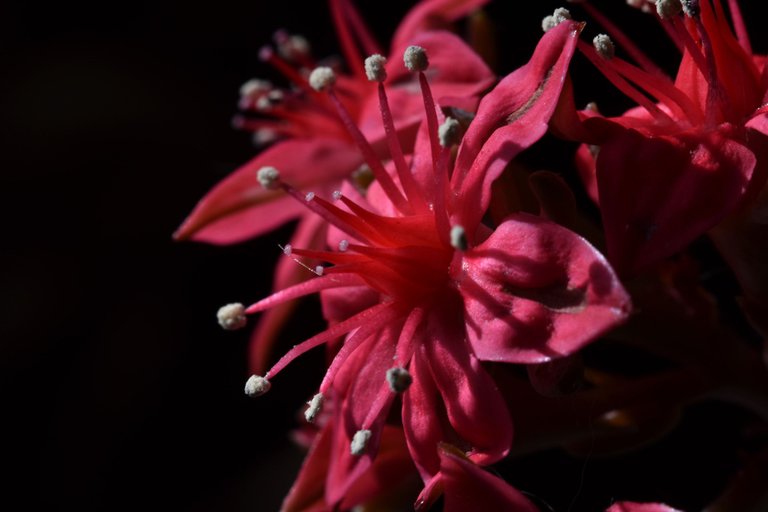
point(309, 197)
point(319, 270)
point(256, 386)
point(343, 245)
point(668, 8)
point(374, 68)
point(399, 379)
point(322, 78)
point(336, 195)
point(232, 316)
point(459, 238)
point(592, 107)
point(415, 58)
point(359, 443)
point(690, 8)
point(269, 177)
point(254, 87)
point(287, 250)
point(560, 15)
point(315, 406)
point(291, 47)
point(449, 132)
point(604, 46)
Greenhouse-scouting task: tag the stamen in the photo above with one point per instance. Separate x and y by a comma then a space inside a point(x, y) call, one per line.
point(668, 8)
point(232, 316)
point(560, 15)
point(257, 386)
point(254, 87)
point(269, 177)
point(336, 195)
point(415, 58)
point(691, 8)
point(374, 68)
point(309, 197)
point(604, 46)
point(359, 443)
point(287, 250)
point(459, 238)
point(322, 78)
point(315, 406)
point(343, 245)
point(264, 136)
point(449, 132)
point(319, 270)
point(292, 47)
point(399, 379)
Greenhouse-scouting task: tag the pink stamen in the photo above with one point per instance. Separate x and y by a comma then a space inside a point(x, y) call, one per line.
point(269, 56)
point(302, 289)
point(363, 33)
point(345, 37)
point(624, 86)
point(429, 107)
point(381, 174)
point(739, 25)
point(410, 186)
point(625, 42)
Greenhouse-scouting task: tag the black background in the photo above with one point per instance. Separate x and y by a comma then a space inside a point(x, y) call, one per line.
point(118, 389)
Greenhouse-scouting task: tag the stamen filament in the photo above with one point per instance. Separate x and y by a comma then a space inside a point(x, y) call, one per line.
point(362, 31)
point(268, 55)
point(348, 46)
point(429, 107)
point(739, 26)
point(381, 174)
point(308, 287)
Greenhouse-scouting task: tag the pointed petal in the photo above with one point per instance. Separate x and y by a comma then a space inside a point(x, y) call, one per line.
point(468, 487)
point(513, 116)
point(658, 194)
point(308, 489)
point(475, 409)
point(238, 207)
point(535, 290)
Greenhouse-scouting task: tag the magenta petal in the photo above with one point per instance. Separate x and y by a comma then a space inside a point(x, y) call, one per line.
point(307, 491)
point(535, 290)
point(468, 487)
point(238, 207)
point(658, 194)
point(513, 116)
point(628, 506)
point(476, 410)
point(431, 15)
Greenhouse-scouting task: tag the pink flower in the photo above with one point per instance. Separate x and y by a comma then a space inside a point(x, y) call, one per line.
point(423, 291)
point(317, 152)
point(670, 169)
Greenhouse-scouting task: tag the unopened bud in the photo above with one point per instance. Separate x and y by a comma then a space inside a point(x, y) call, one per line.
point(232, 316)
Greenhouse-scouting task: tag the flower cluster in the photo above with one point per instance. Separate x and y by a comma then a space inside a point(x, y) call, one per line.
point(416, 229)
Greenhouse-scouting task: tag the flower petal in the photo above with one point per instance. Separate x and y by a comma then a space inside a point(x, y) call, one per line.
point(238, 207)
point(535, 290)
point(430, 15)
point(513, 116)
point(629, 506)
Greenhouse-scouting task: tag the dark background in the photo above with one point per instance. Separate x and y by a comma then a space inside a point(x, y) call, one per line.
point(118, 389)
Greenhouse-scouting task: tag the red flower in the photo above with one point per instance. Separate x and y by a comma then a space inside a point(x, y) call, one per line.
point(668, 171)
point(317, 152)
point(433, 291)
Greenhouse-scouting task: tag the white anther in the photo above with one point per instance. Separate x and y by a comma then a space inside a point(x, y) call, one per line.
point(254, 87)
point(399, 379)
point(232, 316)
point(309, 197)
point(374, 68)
point(276, 95)
point(319, 270)
point(292, 47)
point(604, 46)
point(263, 104)
point(415, 58)
point(343, 245)
point(269, 177)
point(458, 238)
point(637, 4)
point(256, 386)
point(322, 78)
point(315, 406)
point(668, 8)
point(560, 15)
point(449, 132)
point(592, 107)
point(288, 249)
point(359, 443)
point(690, 8)
point(264, 136)
point(336, 195)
